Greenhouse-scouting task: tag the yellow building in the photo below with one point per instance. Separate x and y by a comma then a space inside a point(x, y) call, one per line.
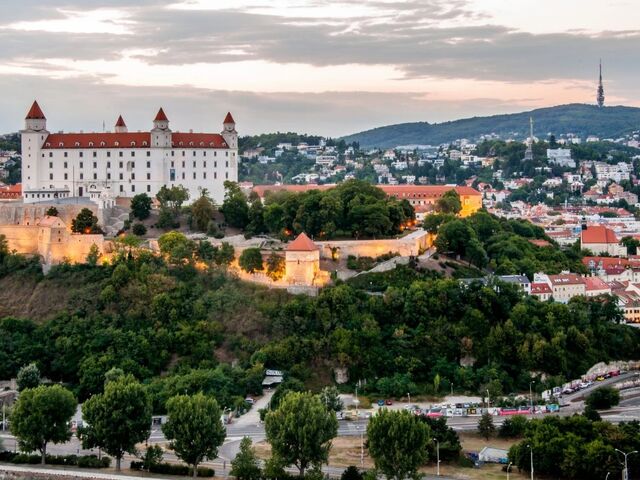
point(302, 260)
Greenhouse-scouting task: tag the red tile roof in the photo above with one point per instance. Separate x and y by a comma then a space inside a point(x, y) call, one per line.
point(11, 192)
point(598, 234)
point(130, 140)
point(399, 191)
point(606, 262)
point(302, 244)
point(35, 112)
point(120, 122)
point(540, 288)
point(161, 117)
point(566, 279)
point(51, 221)
point(595, 283)
point(229, 118)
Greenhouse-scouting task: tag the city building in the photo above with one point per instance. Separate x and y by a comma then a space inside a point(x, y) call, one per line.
point(600, 239)
point(561, 157)
point(58, 165)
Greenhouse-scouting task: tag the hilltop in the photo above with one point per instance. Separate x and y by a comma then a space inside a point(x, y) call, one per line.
point(580, 119)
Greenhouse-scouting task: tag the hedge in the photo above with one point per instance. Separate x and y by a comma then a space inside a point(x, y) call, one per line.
point(89, 461)
point(173, 469)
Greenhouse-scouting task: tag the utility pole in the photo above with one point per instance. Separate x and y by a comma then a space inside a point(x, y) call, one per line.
point(437, 456)
point(531, 394)
point(531, 450)
point(509, 468)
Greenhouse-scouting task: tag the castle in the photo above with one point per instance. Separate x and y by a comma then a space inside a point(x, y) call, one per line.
point(123, 163)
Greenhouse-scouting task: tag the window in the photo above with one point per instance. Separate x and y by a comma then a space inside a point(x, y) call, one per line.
point(204, 153)
point(120, 164)
point(95, 154)
point(133, 176)
point(215, 164)
point(226, 154)
point(66, 154)
point(108, 154)
point(81, 154)
point(148, 164)
point(226, 164)
point(172, 164)
point(120, 154)
point(194, 164)
point(183, 153)
point(215, 175)
point(173, 154)
point(194, 175)
point(108, 164)
point(148, 176)
point(183, 175)
point(82, 176)
point(95, 164)
point(133, 164)
point(50, 164)
point(148, 153)
point(148, 188)
point(51, 176)
point(226, 175)
point(133, 154)
point(50, 154)
point(66, 176)
point(215, 154)
point(183, 165)
point(204, 175)
point(194, 153)
point(121, 176)
point(108, 176)
point(133, 188)
point(95, 176)
point(122, 188)
point(81, 164)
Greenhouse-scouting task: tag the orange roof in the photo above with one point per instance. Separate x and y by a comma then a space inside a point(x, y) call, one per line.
point(11, 192)
point(606, 262)
point(399, 191)
point(120, 122)
point(35, 112)
point(595, 283)
point(302, 244)
point(566, 279)
point(540, 288)
point(161, 117)
point(598, 234)
point(130, 140)
point(229, 118)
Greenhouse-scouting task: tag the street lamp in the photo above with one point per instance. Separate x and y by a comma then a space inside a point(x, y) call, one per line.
point(625, 472)
point(361, 445)
point(607, 477)
point(509, 468)
point(437, 456)
point(409, 395)
point(531, 449)
point(531, 394)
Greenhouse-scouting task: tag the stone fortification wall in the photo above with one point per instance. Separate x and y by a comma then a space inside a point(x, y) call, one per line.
point(411, 244)
point(22, 238)
point(29, 214)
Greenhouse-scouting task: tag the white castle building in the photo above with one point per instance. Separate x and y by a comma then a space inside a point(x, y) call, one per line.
point(123, 163)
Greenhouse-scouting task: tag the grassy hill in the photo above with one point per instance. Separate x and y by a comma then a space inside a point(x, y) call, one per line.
point(580, 119)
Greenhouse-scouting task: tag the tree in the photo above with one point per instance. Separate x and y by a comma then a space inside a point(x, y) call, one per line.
point(117, 419)
point(52, 212)
point(486, 428)
point(224, 254)
point(449, 203)
point(94, 255)
point(351, 473)
point(246, 466)
point(152, 456)
point(176, 246)
point(251, 260)
point(234, 207)
point(255, 217)
point(275, 266)
point(41, 415)
point(141, 206)
point(603, 398)
point(513, 427)
point(202, 212)
point(632, 245)
point(398, 443)
point(194, 428)
point(28, 377)
point(85, 222)
point(300, 431)
point(331, 399)
point(172, 198)
point(139, 229)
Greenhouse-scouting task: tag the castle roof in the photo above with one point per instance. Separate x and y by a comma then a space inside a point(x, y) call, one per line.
point(120, 122)
point(302, 244)
point(51, 221)
point(35, 112)
point(229, 118)
point(130, 140)
point(161, 117)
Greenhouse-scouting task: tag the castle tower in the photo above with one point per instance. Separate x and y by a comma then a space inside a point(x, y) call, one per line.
point(229, 131)
point(121, 127)
point(161, 134)
point(302, 261)
point(33, 137)
point(600, 94)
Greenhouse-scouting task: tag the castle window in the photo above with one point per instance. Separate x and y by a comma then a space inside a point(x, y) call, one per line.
point(148, 188)
point(226, 154)
point(108, 154)
point(47, 144)
point(183, 175)
point(66, 176)
point(204, 175)
point(215, 154)
point(183, 150)
point(194, 175)
point(82, 176)
point(108, 176)
point(81, 164)
point(133, 154)
point(215, 175)
point(144, 144)
point(50, 164)
point(50, 154)
point(95, 176)
point(121, 154)
point(120, 164)
point(202, 144)
point(133, 188)
point(148, 176)
point(51, 176)
point(204, 153)
point(215, 164)
point(226, 175)
point(65, 165)
point(95, 154)
point(191, 144)
point(121, 177)
point(148, 153)
point(133, 176)
point(173, 153)
point(66, 154)
point(95, 164)
point(122, 188)
point(226, 164)
point(183, 165)
point(194, 153)
point(148, 164)
point(91, 145)
point(181, 143)
point(194, 164)
point(205, 164)
point(108, 164)
point(81, 154)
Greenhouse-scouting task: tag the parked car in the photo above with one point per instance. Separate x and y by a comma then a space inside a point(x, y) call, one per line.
point(381, 403)
point(600, 378)
point(388, 402)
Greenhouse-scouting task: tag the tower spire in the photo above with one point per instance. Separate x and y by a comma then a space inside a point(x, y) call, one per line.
point(600, 95)
point(528, 154)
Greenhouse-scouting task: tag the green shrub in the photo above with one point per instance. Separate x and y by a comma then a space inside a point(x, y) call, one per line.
point(91, 461)
point(174, 469)
point(603, 398)
point(513, 427)
point(139, 229)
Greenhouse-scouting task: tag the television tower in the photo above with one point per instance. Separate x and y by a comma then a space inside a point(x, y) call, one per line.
point(528, 154)
point(600, 96)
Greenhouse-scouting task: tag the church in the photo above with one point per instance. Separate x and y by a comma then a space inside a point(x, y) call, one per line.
point(122, 163)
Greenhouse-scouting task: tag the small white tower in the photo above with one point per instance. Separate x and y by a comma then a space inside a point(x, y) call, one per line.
point(121, 127)
point(161, 134)
point(33, 137)
point(229, 131)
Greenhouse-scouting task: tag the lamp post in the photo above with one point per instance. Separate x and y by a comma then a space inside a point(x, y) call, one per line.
point(509, 468)
point(437, 456)
point(607, 477)
point(625, 472)
point(356, 401)
point(451, 388)
point(531, 394)
point(488, 400)
point(409, 395)
point(531, 449)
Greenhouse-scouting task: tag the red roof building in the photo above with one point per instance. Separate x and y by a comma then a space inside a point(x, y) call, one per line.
point(161, 117)
point(600, 239)
point(302, 243)
point(35, 112)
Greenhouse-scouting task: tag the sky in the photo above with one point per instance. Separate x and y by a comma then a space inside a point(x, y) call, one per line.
point(329, 67)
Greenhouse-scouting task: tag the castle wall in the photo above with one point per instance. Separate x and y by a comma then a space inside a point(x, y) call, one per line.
point(22, 238)
point(411, 245)
point(29, 214)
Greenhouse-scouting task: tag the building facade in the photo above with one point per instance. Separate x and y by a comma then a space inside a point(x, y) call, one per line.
point(58, 165)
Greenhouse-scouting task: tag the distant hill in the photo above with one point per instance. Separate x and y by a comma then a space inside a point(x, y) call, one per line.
point(580, 119)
